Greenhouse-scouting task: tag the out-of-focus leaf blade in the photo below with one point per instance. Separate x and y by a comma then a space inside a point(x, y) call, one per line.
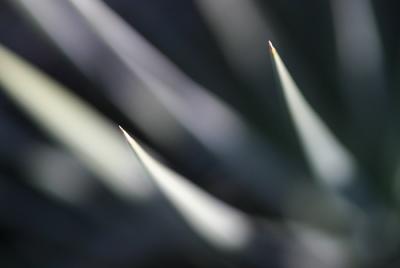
point(361, 76)
point(74, 123)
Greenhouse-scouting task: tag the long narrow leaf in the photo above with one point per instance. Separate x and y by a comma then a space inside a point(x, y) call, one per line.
point(74, 123)
point(218, 223)
point(330, 161)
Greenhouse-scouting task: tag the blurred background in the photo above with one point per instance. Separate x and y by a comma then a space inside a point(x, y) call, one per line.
point(195, 83)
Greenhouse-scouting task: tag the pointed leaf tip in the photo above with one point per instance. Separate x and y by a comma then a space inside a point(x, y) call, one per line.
point(123, 130)
point(126, 135)
point(271, 47)
point(132, 142)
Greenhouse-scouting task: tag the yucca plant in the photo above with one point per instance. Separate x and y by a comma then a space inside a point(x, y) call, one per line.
point(243, 154)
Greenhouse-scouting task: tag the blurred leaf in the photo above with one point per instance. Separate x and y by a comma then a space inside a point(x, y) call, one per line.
point(74, 123)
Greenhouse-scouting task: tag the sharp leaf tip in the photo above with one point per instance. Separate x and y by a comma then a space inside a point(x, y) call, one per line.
point(271, 47)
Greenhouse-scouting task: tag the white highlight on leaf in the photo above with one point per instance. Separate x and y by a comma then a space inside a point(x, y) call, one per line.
point(221, 225)
point(330, 161)
point(74, 123)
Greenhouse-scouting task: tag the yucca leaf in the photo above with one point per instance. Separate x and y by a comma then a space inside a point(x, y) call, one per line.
point(329, 159)
point(333, 164)
point(74, 123)
point(218, 223)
